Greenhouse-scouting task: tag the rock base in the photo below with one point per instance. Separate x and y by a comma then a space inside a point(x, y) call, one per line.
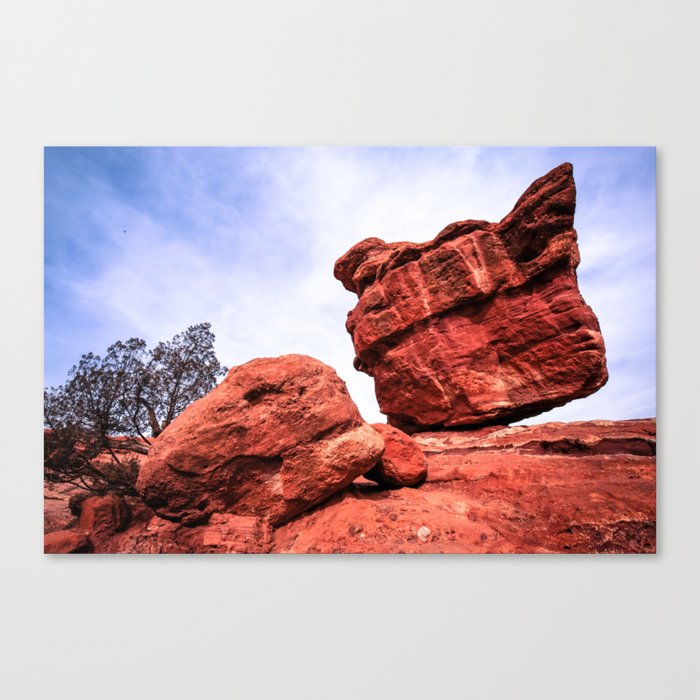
point(585, 487)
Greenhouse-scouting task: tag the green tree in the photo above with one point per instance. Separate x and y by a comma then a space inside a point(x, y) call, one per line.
point(108, 405)
point(178, 372)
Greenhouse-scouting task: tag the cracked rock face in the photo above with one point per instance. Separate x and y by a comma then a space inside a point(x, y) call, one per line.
point(276, 437)
point(485, 323)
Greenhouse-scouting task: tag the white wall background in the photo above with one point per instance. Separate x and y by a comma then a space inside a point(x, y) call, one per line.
point(331, 73)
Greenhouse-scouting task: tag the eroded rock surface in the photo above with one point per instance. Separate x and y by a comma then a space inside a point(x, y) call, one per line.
point(403, 462)
point(66, 542)
point(103, 516)
point(276, 437)
point(225, 533)
point(57, 513)
point(557, 487)
point(485, 323)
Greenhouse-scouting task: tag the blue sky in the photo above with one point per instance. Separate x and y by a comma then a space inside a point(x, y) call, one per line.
point(146, 241)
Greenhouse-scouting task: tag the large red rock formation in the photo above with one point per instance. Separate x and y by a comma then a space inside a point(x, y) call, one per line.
point(557, 487)
point(277, 436)
point(483, 324)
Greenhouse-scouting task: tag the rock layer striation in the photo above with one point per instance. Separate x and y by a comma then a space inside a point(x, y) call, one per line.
point(483, 324)
point(584, 487)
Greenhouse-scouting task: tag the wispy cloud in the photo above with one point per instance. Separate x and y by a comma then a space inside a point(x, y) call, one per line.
point(147, 241)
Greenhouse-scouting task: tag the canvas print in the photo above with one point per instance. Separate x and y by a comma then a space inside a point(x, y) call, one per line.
point(349, 350)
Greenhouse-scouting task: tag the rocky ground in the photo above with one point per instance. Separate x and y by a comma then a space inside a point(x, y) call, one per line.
point(57, 515)
point(556, 487)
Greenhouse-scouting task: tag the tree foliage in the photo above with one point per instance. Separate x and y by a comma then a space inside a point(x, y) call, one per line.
point(177, 373)
point(110, 404)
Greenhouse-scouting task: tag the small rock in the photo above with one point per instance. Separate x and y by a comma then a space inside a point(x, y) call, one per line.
point(403, 462)
point(423, 533)
point(102, 516)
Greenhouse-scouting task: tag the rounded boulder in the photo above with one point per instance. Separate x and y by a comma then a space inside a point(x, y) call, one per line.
point(403, 462)
point(277, 436)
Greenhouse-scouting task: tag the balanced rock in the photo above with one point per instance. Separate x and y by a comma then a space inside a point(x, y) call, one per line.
point(483, 324)
point(403, 462)
point(277, 436)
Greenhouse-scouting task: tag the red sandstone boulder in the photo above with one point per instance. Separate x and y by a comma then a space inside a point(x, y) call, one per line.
point(483, 324)
point(402, 464)
point(66, 542)
point(102, 516)
point(277, 436)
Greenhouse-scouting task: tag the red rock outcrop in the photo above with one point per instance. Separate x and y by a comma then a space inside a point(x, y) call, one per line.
point(402, 464)
point(485, 323)
point(276, 437)
point(103, 516)
point(557, 487)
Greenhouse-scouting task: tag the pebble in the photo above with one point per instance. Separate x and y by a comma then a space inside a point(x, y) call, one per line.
point(423, 533)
